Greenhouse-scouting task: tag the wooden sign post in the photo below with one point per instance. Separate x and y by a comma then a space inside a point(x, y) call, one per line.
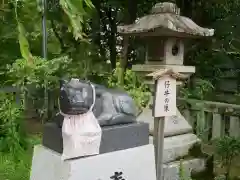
point(164, 105)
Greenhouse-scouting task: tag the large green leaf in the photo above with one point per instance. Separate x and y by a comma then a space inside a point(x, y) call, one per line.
point(77, 11)
point(23, 42)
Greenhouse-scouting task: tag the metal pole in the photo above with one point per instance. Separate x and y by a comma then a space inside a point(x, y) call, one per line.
point(44, 29)
point(44, 52)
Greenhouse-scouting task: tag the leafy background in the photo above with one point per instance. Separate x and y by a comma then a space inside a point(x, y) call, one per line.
point(83, 42)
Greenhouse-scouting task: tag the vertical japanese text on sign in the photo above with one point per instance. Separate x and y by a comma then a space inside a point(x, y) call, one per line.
point(166, 93)
point(165, 99)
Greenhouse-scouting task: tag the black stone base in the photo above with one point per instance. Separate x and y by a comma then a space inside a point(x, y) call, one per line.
point(114, 138)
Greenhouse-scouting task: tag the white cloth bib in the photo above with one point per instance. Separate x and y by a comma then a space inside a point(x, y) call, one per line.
point(81, 134)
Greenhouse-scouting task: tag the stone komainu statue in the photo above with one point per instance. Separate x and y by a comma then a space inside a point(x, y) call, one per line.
point(111, 106)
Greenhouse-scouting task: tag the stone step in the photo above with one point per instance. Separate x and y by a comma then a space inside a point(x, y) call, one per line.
point(174, 125)
point(176, 147)
point(171, 170)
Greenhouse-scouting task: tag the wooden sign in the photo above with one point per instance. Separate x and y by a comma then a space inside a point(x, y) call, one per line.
point(165, 97)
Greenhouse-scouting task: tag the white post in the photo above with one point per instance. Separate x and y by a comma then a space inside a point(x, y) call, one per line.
point(164, 105)
point(160, 147)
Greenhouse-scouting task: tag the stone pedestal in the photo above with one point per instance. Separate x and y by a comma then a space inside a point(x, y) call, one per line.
point(134, 163)
point(114, 138)
point(124, 149)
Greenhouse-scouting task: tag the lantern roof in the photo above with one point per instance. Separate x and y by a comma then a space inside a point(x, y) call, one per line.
point(165, 20)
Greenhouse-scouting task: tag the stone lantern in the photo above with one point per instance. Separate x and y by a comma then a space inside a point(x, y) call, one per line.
point(164, 30)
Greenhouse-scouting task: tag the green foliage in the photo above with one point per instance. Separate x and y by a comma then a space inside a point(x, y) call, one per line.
point(24, 46)
point(181, 174)
point(22, 73)
point(132, 84)
point(76, 12)
point(31, 77)
point(221, 177)
point(23, 42)
point(17, 169)
point(12, 136)
point(227, 148)
point(199, 89)
point(71, 21)
point(10, 169)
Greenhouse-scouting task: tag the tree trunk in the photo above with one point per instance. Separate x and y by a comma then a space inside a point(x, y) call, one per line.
point(131, 14)
point(97, 27)
point(112, 37)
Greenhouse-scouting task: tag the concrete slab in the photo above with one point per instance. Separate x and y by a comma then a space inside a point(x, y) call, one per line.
point(135, 163)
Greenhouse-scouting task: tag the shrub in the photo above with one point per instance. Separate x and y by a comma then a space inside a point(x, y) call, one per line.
point(12, 136)
point(227, 148)
point(133, 84)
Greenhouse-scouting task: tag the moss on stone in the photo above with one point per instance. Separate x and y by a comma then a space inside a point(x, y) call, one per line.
point(208, 173)
point(196, 151)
